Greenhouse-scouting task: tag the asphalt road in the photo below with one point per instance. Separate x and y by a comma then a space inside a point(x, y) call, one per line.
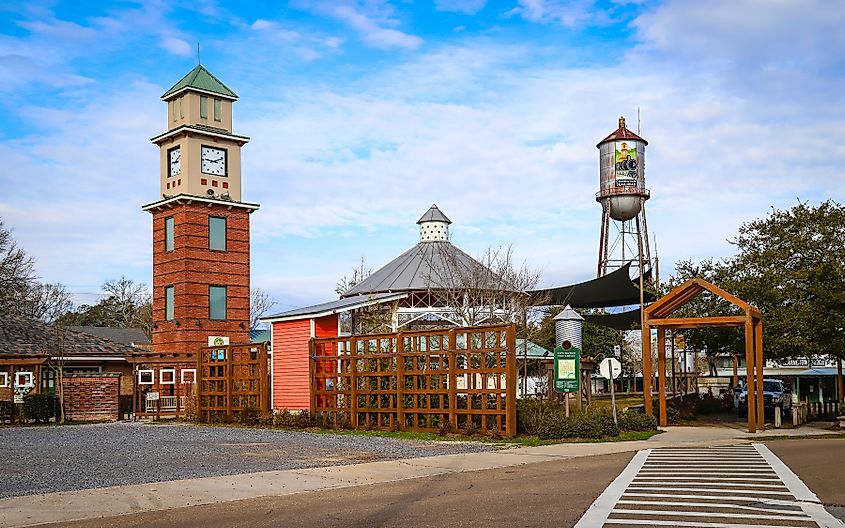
point(820, 464)
point(542, 495)
point(546, 494)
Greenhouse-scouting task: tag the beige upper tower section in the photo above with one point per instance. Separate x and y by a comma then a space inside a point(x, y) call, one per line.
point(200, 156)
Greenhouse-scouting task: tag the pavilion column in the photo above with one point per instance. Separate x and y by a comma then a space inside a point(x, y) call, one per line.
point(646, 351)
point(661, 373)
point(736, 371)
point(751, 393)
point(840, 395)
point(758, 346)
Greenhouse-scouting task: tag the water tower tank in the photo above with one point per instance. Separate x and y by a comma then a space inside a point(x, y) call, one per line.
point(622, 173)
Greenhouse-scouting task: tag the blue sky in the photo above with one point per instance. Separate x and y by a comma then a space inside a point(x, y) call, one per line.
point(364, 113)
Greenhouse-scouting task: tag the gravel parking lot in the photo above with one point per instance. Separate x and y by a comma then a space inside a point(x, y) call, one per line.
point(48, 459)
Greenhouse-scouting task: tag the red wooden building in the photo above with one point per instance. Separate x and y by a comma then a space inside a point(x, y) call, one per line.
point(290, 335)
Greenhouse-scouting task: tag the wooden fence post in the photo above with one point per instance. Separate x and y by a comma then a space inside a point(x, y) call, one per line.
point(400, 381)
point(510, 411)
point(453, 380)
point(353, 378)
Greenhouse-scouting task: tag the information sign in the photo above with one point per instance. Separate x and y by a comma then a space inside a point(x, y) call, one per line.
point(567, 369)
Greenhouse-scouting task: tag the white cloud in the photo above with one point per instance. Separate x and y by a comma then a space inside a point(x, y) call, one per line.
point(469, 7)
point(570, 13)
point(177, 46)
point(368, 19)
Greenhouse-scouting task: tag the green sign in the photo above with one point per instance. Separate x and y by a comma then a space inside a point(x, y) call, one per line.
point(567, 369)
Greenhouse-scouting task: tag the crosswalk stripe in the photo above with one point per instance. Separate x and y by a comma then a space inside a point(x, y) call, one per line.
point(711, 505)
point(773, 478)
point(688, 482)
point(640, 487)
point(803, 516)
point(688, 524)
point(688, 496)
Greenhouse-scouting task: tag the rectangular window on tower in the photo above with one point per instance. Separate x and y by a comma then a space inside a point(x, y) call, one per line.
point(168, 233)
point(168, 303)
point(217, 303)
point(182, 107)
point(217, 233)
point(204, 107)
point(218, 109)
point(175, 110)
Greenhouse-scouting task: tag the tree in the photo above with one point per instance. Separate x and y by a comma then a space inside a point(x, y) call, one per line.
point(260, 303)
point(17, 272)
point(791, 265)
point(347, 282)
point(45, 302)
point(127, 304)
point(20, 292)
point(126, 297)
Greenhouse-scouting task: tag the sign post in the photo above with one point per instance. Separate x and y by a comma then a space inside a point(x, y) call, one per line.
point(567, 370)
point(611, 368)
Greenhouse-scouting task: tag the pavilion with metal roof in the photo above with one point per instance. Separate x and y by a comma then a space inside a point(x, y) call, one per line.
point(429, 274)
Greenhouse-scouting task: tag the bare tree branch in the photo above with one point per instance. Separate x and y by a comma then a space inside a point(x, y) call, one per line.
point(260, 303)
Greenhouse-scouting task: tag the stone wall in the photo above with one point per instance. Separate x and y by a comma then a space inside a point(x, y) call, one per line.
point(92, 397)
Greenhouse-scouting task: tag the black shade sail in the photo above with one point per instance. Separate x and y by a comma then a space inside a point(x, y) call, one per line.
point(614, 289)
point(629, 320)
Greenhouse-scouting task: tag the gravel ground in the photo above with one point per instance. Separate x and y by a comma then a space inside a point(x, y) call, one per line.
point(51, 458)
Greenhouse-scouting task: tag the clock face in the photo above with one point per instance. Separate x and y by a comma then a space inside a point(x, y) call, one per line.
point(175, 167)
point(213, 161)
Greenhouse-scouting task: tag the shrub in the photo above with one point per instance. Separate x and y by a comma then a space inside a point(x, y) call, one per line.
point(532, 414)
point(586, 424)
point(636, 421)
point(265, 419)
point(38, 407)
point(248, 416)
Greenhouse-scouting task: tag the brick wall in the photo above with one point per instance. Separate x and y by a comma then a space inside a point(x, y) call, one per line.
point(90, 397)
point(191, 268)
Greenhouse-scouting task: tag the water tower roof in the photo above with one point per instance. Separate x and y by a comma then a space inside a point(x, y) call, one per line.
point(621, 133)
point(434, 215)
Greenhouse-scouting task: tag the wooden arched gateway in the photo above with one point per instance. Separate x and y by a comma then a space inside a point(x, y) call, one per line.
point(658, 315)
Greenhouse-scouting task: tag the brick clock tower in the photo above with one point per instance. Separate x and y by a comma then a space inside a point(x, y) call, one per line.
point(200, 232)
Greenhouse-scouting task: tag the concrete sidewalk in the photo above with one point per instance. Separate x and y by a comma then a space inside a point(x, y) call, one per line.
point(121, 500)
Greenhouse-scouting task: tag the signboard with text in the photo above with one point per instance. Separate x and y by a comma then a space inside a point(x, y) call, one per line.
point(567, 369)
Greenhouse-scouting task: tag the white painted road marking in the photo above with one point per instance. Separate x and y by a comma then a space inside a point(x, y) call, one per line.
point(741, 486)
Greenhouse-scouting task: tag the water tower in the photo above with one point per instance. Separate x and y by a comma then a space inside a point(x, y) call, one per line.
point(622, 195)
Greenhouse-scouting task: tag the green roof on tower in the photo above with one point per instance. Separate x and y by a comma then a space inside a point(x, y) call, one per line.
point(203, 80)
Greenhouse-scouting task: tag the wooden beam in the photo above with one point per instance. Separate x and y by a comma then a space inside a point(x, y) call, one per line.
point(700, 322)
point(646, 351)
point(758, 349)
point(661, 374)
point(751, 393)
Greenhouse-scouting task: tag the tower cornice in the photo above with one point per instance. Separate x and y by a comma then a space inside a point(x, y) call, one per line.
point(187, 130)
point(170, 201)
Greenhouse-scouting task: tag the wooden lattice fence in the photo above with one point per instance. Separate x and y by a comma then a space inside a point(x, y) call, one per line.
point(232, 380)
point(461, 379)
